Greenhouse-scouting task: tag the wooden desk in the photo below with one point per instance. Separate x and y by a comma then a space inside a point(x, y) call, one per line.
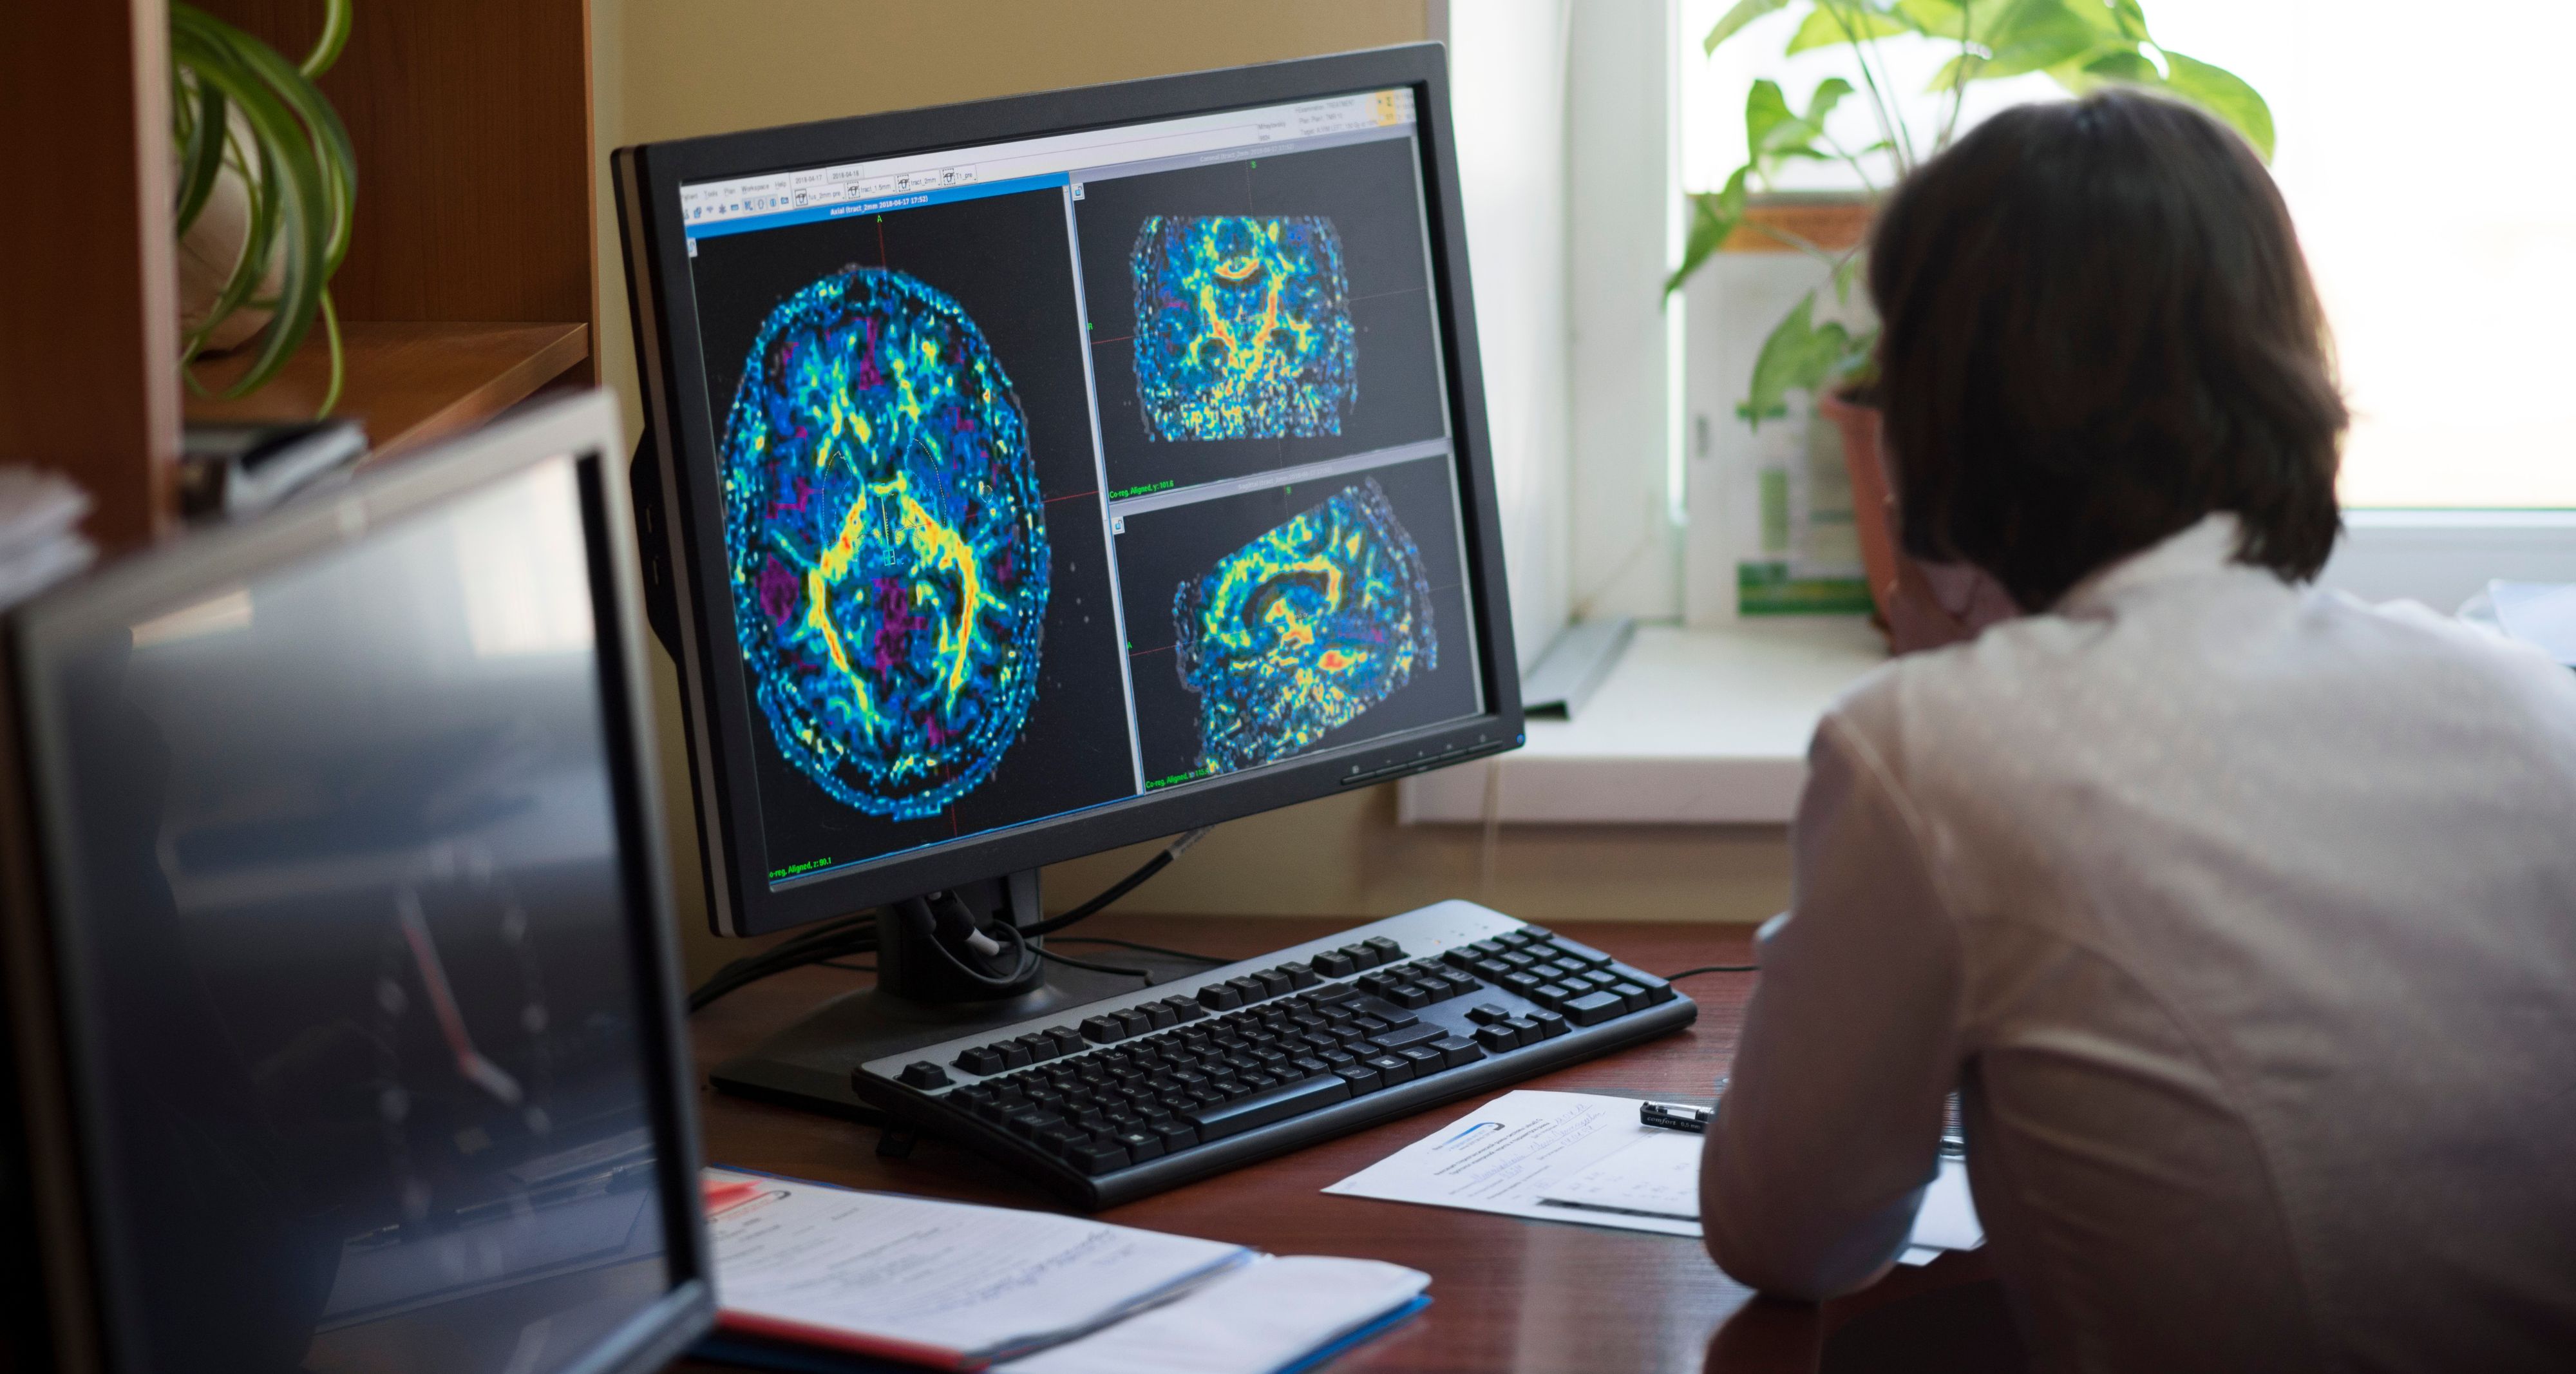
point(1506, 1293)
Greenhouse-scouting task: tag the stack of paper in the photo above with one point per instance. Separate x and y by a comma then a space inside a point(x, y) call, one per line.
point(1586, 1158)
point(809, 1276)
point(40, 541)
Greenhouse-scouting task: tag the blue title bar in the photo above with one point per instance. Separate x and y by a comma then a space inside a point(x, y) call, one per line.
point(908, 201)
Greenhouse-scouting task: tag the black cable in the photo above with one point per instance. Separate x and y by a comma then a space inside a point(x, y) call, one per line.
point(1120, 888)
point(851, 968)
point(1054, 958)
point(1143, 949)
point(857, 934)
point(1712, 968)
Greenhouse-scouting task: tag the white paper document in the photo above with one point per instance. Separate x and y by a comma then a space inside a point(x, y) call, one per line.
point(1584, 1158)
point(935, 1282)
point(1266, 1316)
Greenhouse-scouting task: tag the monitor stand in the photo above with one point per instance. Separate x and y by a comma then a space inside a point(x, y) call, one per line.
point(919, 999)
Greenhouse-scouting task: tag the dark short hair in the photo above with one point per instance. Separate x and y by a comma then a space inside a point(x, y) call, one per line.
point(2098, 328)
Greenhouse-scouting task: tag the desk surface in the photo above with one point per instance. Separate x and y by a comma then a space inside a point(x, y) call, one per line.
point(1507, 1293)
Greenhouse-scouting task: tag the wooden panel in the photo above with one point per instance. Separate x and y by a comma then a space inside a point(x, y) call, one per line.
point(410, 383)
point(1507, 1294)
point(88, 382)
point(471, 121)
point(1776, 226)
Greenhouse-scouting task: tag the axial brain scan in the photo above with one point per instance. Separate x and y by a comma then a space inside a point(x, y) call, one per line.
point(887, 542)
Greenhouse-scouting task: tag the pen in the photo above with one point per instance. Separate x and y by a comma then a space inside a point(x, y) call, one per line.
point(1675, 1116)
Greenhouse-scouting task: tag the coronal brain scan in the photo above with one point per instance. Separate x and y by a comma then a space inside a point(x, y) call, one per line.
point(1299, 631)
point(887, 542)
point(1243, 327)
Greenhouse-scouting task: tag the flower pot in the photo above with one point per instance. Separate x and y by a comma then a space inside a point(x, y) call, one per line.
point(1920, 605)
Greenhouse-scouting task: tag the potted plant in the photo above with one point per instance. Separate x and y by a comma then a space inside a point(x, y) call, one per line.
point(266, 183)
point(2081, 44)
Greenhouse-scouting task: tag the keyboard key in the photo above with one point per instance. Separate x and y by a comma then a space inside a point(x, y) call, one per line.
point(1593, 1008)
point(1391, 1068)
point(1220, 997)
point(1300, 975)
point(1410, 995)
point(1265, 1108)
point(982, 1059)
point(1553, 994)
point(923, 1074)
point(1528, 1030)
point(1095, 1156)
point(1177, 1136)
point(1331, 995)
point(1492, 970)
point(1487, 1013)
point(1250, 988)
point(1523, 983)
point(1398, 1038)
point(1519, 960)
point(1464, 956)
point(1387, 1012)
point(1537, 933)
point(1041, 1046)
point(1657, 990)
point(1335, 964)
point(1141, 1144)
point(1136, 1020)
point(1378, 984)
point(1387, 950)
point(1549, 1023)
point(1030, 1124)
point(1276, 981)
point(1103, 1029)
point(1499, 1037)
point(1456, 1050)
point(1361, 1077)
point(1582, 954)
point(1067, 1039)
point(1635, 996)
point(1163, 1017)
point(1185, 1009)
point(1426, 1060)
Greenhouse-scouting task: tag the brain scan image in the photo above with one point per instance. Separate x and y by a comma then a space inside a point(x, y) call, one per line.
point(1298, 632)
point(887, 542)
point(1243, 327)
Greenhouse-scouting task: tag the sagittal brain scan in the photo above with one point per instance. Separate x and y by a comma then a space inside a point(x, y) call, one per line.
point(887, 542)
point(1243, 327)
point(1298, 632)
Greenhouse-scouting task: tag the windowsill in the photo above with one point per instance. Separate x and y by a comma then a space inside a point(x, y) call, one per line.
point(1693, 727)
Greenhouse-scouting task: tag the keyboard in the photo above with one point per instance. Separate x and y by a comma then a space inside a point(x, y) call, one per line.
point(1109, 1101)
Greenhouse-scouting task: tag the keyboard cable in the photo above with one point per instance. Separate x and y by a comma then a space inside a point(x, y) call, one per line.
point(1712, 968)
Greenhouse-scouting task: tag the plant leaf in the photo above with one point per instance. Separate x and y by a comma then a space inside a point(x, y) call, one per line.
point(1954, 20)
point(1833, 25)
point(2224, 94)
point(1798, 354)
point(2122, 65)
point(1829, 93)
point(326, 48)
point(1765, 110)
point(201, 151)
point(2035, 35)
point(1734, 20)
point(1714, 215)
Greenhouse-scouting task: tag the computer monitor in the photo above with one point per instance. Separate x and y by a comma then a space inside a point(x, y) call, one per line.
point(341, 1012)
point(1046, 474)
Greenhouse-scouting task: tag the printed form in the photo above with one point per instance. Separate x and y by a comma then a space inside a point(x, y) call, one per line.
point(1584, 1158)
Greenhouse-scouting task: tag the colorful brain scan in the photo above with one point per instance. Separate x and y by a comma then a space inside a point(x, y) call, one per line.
point(1243, 327)
point(1304, 628)
point(887, 542)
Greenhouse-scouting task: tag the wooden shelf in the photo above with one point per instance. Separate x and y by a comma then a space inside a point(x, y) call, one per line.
point(407, 382)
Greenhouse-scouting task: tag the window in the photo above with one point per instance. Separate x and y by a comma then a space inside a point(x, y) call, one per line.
point(2415, 156)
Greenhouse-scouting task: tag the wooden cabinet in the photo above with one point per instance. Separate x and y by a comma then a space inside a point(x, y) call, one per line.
point(469, 279)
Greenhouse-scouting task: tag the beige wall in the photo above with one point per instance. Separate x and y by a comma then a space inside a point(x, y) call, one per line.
point(672, 68)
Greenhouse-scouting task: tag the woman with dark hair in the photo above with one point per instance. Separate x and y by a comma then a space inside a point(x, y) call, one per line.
point(2241, 915)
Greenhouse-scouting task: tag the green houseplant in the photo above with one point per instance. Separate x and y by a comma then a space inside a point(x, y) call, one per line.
point(266, 184)
point(2080, 44)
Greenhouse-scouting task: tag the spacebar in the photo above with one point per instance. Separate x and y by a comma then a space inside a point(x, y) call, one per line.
point(1217, 1122)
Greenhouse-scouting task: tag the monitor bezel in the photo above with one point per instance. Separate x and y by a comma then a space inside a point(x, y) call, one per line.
point(60, 1104)
point(715, 701)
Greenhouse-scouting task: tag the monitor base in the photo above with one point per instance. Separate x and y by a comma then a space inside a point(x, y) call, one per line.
point(808, 1064)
